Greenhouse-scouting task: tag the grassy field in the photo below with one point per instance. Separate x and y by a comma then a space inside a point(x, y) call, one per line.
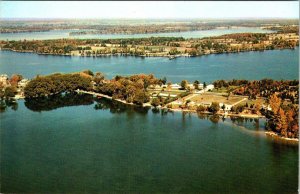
point(207, 98)
point(224, 90)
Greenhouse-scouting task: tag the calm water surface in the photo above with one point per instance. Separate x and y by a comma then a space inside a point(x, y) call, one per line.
point(55, 34)
point(276, 64)
point(69, 146)
point(66, 145)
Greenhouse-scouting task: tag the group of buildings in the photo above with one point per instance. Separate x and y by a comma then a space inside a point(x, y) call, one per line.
point(6, 82)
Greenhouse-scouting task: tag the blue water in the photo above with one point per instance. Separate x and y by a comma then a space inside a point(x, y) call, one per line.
point(276, 64)
point(57, 148)
point(55, 34)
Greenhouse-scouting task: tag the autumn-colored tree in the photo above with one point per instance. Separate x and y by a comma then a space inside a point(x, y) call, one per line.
point(15, 79)
point(169, 85)
point(275, 103)
point(184, 84)
point(258, 105)
point(290, 116)
point(281, 124)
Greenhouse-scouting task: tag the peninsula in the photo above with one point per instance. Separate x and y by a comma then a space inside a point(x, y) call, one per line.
point(275, 100)
point(171, 47)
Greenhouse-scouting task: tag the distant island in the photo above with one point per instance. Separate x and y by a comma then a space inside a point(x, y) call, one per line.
point(275, 100)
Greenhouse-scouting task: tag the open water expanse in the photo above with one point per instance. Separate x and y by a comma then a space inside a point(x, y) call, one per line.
point(55, 34)
point(275, 64)
point(66, 145)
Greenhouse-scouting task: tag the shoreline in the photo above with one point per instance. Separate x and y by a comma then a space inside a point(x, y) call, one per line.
point(271, 134)
point(275, 135)
point(171, 57)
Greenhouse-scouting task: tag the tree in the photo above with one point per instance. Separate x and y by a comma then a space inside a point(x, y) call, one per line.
point(155, 102)
point(214, 107)
point(201, 108)
point(89, 72)
point(258, 105)
point(15, 79)
point(184, 84)
point(164, 80)
point(281, 124)
point(275, 103)
point(223, 107)
point(169, 85)
point(196, 84)
point(10, 92)
point(98, 78)
point(140, 97)
point(204, 85)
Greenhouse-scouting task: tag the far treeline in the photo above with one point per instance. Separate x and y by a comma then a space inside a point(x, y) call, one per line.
point(157, 46)
point(135, 26)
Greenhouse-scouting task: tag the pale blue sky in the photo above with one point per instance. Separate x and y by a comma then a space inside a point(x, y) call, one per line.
point(132, 9)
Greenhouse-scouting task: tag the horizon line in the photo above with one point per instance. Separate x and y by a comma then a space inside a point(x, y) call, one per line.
point(131, 18)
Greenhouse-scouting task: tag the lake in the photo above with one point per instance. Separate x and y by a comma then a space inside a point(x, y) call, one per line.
point(68, 145)
point(80, 144)
point(275, 64)
point(56, 34)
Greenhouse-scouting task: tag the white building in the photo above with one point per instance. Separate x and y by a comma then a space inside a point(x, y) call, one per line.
point(209, 87)
point(23, 83)
point(192, 86)
point(227, 106)
point(175, 86)
point(3, 79)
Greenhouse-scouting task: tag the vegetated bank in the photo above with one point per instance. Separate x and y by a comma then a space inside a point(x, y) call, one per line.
point(276, 100)
point(157, 46)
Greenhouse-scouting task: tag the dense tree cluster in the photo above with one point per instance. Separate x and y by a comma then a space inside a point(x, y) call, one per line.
point(164, 45)
point(287, 90)
point(285, 29)
point(43, 86)
point(282, 119)
point(6, 97)
point(59, 46)
point(244, 37)
point(133, 89)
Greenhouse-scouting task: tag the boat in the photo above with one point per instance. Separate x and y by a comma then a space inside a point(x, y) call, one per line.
point(171, 57)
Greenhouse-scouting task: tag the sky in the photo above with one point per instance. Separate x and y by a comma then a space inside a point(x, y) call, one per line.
point(149, 9)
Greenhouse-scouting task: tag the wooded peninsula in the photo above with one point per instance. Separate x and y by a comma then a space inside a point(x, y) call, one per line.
point(276, 100)
point(158, 46)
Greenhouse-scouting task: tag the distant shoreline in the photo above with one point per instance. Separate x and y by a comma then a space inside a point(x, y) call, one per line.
point(171, 57)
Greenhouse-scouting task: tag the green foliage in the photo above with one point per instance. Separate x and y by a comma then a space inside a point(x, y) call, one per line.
point(184, 84)
point(132, 89)
point(201, 108)
point(10, 92)
point(155, 102)
point(43, 86)
point(89, 72)
point(141, 97)
point(214, 107)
